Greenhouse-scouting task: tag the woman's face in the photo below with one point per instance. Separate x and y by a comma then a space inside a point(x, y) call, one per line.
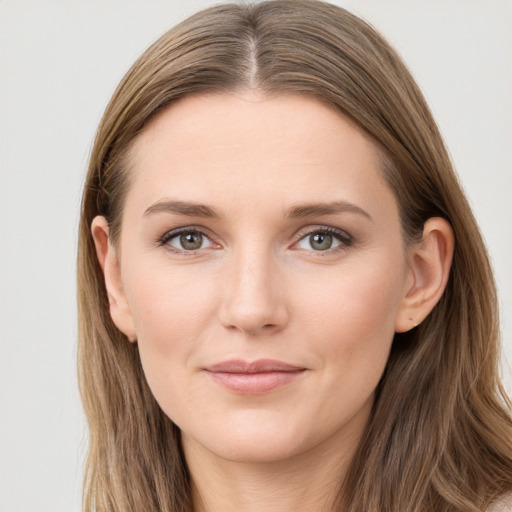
point(263, 269)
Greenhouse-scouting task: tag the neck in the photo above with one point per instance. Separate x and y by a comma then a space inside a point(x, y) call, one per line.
point(309, 482)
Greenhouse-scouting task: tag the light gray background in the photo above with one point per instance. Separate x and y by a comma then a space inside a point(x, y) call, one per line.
point(59, 63)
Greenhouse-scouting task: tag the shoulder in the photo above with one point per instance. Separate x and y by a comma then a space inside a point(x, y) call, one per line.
point(502, 505)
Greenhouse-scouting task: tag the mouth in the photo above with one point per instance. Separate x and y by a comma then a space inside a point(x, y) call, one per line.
point(254, 378)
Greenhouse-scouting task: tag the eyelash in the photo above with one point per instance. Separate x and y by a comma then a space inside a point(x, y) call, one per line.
point(170, 235)
point(345, 240)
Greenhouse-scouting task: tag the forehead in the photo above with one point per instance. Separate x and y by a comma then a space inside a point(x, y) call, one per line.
point(244, 145)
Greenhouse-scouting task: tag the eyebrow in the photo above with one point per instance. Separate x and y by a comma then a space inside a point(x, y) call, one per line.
point(331, 208)
point(182, 208)
point(295, 212)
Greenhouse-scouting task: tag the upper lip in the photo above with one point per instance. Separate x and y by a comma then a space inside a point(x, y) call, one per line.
point(258, 366)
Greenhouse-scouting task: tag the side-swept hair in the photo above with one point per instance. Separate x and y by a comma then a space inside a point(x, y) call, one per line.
point(440, 434)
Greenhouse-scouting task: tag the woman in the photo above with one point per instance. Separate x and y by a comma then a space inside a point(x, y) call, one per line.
point(285, 302)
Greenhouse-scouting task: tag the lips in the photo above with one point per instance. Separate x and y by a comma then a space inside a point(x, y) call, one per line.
point(255, 377)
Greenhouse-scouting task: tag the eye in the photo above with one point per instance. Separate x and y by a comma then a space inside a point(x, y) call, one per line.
point(324, 240)
point(187, 241)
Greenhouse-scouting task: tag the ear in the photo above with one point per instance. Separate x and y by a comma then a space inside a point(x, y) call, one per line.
point(430, 261)
point(109, 263)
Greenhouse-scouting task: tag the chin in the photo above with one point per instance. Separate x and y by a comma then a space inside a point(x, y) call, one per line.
point(261, 438)
point(255, 449)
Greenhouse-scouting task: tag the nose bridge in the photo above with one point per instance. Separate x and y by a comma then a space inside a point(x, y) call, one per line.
point(253, 297)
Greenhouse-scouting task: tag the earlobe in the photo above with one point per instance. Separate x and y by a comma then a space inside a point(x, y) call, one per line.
point(430, 262)
point(109, 263)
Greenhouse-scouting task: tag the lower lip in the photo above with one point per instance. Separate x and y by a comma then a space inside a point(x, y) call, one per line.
point(255, 383)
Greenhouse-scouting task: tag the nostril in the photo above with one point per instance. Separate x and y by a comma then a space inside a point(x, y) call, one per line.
point(252, 323)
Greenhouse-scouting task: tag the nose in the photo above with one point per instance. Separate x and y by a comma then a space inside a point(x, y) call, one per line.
point(254, 295)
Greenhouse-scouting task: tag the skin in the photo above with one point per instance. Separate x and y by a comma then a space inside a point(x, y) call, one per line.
point(259, 287)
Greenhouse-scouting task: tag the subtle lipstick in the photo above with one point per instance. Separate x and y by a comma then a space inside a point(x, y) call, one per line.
point(253, 378)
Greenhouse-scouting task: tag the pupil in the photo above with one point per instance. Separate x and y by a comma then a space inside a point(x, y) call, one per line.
point(321, 241)
point(191, 241)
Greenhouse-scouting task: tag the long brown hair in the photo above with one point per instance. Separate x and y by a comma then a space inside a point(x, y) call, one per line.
point(440, 435)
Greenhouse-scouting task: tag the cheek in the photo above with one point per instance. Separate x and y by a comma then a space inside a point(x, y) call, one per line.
point(361, 298)
point(169, 303)
point(172, 311)
point(350, 319)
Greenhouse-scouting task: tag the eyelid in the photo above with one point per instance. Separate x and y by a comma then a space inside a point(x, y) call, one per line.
point(173, 233)
point(345, 238)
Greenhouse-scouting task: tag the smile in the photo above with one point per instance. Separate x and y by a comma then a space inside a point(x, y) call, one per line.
point(253, 378)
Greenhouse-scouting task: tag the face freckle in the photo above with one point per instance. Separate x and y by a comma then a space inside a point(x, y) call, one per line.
point(263, 267)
